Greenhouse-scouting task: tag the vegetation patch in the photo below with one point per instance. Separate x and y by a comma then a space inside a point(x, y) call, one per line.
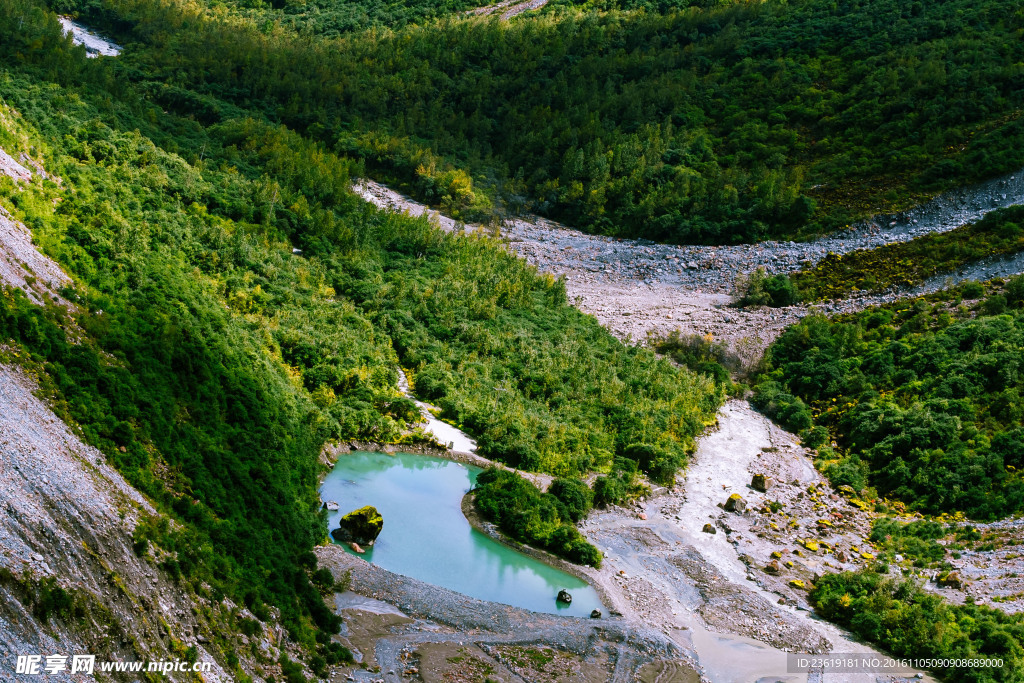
point(916, 541)
point(921, 398)
point(702, 354)
point(906, 621)
point(999, 233)
point(524, 513)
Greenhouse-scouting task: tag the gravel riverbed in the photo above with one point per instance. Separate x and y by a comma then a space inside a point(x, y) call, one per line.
point(637, 287)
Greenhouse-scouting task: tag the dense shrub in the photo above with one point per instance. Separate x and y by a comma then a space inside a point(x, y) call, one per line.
point(907, 621)
point(658, 463)
point(924, 407)
point(700, 353)
point(758, 289)
point(524, 513)
point(574, 495)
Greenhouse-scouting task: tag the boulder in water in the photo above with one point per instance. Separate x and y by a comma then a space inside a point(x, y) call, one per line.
point(596, 614)
point(360, 526)
point(564, 596)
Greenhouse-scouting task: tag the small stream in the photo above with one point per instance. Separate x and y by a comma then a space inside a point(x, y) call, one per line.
point(725, 650)
point(427, 537)
point(723, 458)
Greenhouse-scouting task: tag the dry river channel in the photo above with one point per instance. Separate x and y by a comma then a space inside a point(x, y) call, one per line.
point(638, 287)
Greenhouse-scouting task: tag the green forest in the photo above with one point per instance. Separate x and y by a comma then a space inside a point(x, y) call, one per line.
point(722, 123)
point(211, 363)
point(910, 622)
point(922, 398)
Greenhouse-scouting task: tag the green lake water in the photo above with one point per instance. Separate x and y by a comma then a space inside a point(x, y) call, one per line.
point(427, 537)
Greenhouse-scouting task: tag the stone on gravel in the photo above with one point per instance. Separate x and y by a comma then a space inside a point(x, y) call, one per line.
point(950, 580)
point(735, 503)
point(709, 529)
point(761, 483)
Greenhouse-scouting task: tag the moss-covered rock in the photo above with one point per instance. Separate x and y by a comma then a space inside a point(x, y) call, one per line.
point(735, 503)
point(360, 526)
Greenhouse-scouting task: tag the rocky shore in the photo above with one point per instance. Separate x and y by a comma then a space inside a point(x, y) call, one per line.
point(410, 630)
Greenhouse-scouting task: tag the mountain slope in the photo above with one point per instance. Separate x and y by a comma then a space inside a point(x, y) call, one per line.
point(729, 123)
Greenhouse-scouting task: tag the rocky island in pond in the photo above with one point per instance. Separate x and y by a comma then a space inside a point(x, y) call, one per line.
point(360, 527)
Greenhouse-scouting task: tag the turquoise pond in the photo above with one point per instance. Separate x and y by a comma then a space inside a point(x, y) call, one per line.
point(427, 537)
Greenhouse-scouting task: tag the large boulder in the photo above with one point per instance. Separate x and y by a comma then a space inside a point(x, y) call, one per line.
point(360, 526)
point(564, 596)
point(735, 503)
point(761, 483)
point(950, 580)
